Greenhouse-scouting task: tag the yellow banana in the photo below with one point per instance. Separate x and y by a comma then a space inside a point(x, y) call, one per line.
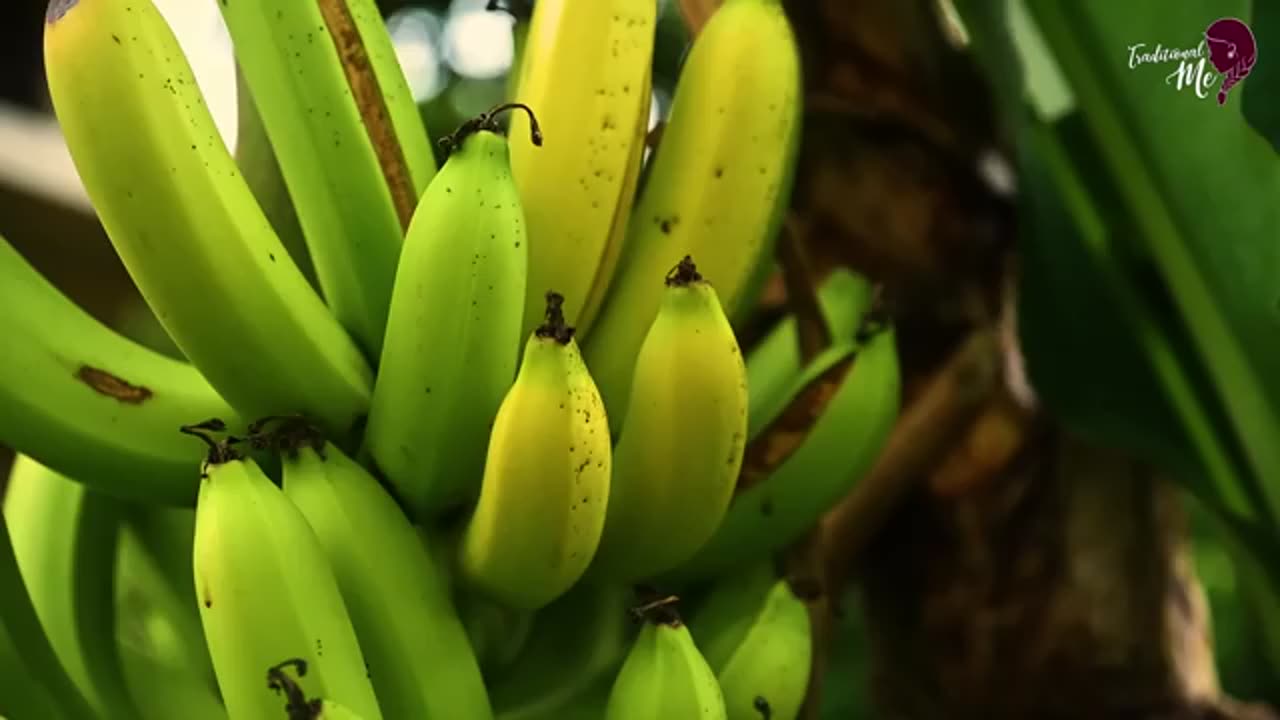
point(682, 442)
point(453, 336)
point(186, 225)
point(717, 185)
point(585, 69)
point(546, 477)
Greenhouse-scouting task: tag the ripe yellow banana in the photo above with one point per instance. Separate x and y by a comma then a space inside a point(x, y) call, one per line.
point(185, 223)
point(682, 442)
point(665, 675)
point(453, 336)
point(546, 477)
point(64, 538)
point(351, 144)
point(267, 593)
point(37, 684)
point(90, 403)
point(717, 185)
point(756, 635)
point(418, 656)
point(586, 70)
point(839, 448)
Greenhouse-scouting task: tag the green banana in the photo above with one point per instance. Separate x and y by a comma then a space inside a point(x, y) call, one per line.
point(717, 185)
point(586, 69)
point(546, 481)
point(38, 685)
point(267, 593)
point(756, 635)
point(665, 675)
point(453, 336)
point(789, 493)
point(186, 225)
point(418, 656)
point(575, 645)
point(496, 632)
point(351, 145)
point(166, 662)
point(682, 442)
point(774, 363)
point(64, 539)
point(90, 403)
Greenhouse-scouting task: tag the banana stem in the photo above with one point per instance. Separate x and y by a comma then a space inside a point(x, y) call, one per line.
point(487, 120)
point(555, 326)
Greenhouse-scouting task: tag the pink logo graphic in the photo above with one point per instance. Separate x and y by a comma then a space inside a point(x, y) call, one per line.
point(1232, 50)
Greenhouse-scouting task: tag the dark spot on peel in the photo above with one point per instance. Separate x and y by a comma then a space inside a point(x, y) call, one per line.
point(112, 386)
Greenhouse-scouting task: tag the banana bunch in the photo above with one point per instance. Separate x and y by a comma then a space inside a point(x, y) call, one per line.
point(446, 457)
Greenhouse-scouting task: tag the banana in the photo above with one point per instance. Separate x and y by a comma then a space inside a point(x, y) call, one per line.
point(267, 593)
point(453, 336)
point(186, 225)
point(774, 363)
point(88, 402)
point(682, 442)
point(717, 185)
point(496, 632)
point(297, 704)
point(789, 491)
point(575, 645)
point(756, 635)
point(419, 659)
point(665, 675)
point(546, 477)
point(351, 144)
point(64, 539)
point(37, 685)
point(585, 68)
point(162, 645)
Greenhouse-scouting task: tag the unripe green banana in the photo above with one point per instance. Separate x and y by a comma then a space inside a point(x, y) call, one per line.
point(267, 593)
point(349, 139)
point(757, 637)
point(88, 402)
point(783, 501)
point(665, 676)
point(453, 336)
point(37, 684)
point(418, 656)
point(575, 646)
point(717, 185)
point(774, 363)
point(546, 477)
point(681, 447)
point(65, 538)
point(184, 222)
point(586, 70)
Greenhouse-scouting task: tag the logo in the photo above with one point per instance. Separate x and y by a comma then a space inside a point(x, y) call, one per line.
point(1224, 57)
point(1232, 50)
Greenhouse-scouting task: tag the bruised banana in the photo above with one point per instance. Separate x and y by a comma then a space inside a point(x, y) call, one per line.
point(453, 336)
point(65, 537)
point(785, 489)
point(682, 442)
point(774, 363)
point(87, 402)
point(418, 656)
point(267, 593)
point(717, 185)
point(665, 675)
point(546, 481)
point(350, 142)
point(755, 634)
point(585, 69)
point(186, 225)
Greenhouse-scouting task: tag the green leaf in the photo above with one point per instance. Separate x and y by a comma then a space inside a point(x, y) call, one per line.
point(1262, 87)
point(1203, 190)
